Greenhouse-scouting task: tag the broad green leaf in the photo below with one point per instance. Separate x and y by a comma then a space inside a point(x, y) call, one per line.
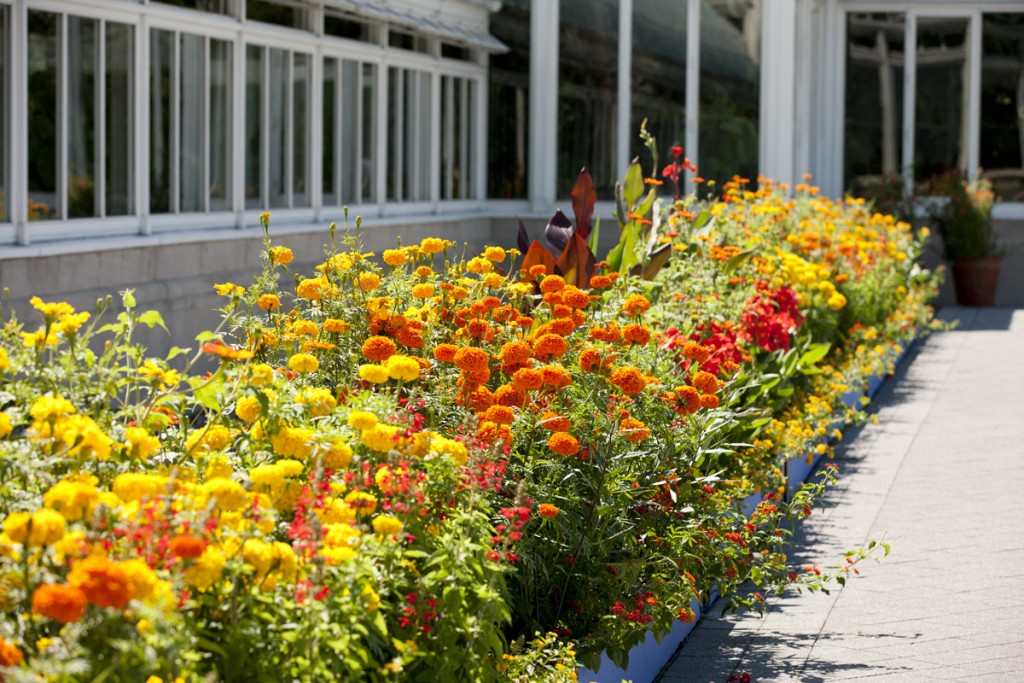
point(128, 298)
point(633, 188)
point(153, 318)
point(814, 353)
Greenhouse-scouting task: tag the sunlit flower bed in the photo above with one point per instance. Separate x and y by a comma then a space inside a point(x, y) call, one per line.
point(430, 465)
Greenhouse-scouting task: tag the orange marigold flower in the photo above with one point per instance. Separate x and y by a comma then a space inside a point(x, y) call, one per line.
point(549, 346)
point(10, 655)
point(502, 415)
point(574, 297)
point(481, 399)
point(554, 422)
point(527, 378)
point(423, 271)
point(445, 353)
point(335, 326)
point(561, 311)
point(636, 305)
point(559, 326)
point(635, 431)
point(281, 255)
point(509, 395)
point(268, 302)
point(629, 380)
point(471, 359)
point(516, 352)
point(59, 602)
point(423, 291)
point(705, 383)
point(563, 444)
point(697, 352)
point(553, 298)
point(552, 283)
point(538, 270)
point(686, 615)
point(187, 546)
point(637, 334)
point(555, 376)
point(590, 360)
point(547, 511)
point(709, 401)
point(491, 432)
point(689, 398)
point(103, 582)
point(378, 348)
point(600, 281)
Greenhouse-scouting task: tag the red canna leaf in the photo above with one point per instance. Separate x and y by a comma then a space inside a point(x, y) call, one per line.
point(584, 197)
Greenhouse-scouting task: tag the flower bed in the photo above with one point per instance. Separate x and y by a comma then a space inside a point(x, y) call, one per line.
point(412, 468)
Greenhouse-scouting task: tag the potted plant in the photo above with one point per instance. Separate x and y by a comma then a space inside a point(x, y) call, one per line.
point(965, 223)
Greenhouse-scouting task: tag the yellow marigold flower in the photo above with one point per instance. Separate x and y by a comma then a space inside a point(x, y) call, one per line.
point(368, 281)
point(38, 339)
point(837, 301)
point(83, 436)
point(70, 324)
point(423, 291)
point(386, 525)
point(5, 362)
point(319, 400)
point(423, 272)
point(261, 374)
point(312, 289)
point(304, 328)
point(493, 280)
point(228, 493)
point(51, 311)
point(362, 420)
point(210, 439)
point(376, 374)
point(381, 438)
point(338, 456)
point(5, 425)
point(295, 442)
point(335, 326)
point(459, 293)
point(494, 254)
point(40, 528)
point(229, 289)
point(478, 265)
point(248, 408)
point(140, 444)
point(165, 378)
point(364, 503)
point(455, 449)
point(142, 581)
point(303, 362)
point(206, 570)
point(268, 302)
point(394, 257)
point(282, 256)
point(403, 368)
point(433, 245)
point(218, 467)
point(136, 486)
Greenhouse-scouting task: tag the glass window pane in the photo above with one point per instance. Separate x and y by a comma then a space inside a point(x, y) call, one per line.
point(81, 117)
point(1002, 104)
point(253, 125)
point(301, 74)
point(730, 86)
point(161, 55)
point(508, 103)
point(4, 105)
point(659, 76)
point(873, 142)
point(330, 126)
point(588, 63)
point(120, 130)
point(214, 6)
point(191, 144)
point(940, 134)
point(42, 115)
point(350, 114)
point(368, 128)
point(345, 27)
point(278, 128)
point(273, 13)
point(220, 124)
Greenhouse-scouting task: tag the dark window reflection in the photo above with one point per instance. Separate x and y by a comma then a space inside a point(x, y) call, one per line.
point(588, 37)
point(509, 103)
point(1002, 104)
point(730, 87)
point(873, 141)
point(659, 77)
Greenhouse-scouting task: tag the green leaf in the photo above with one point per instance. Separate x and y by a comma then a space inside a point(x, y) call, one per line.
point(206, 392)
point(736, 261)
point(702, 219)
point(176, 351)
point(204, 336)
point(633, 188)
point(128, 298)
point(594, 235)
point(815, 353)
point(153, 318)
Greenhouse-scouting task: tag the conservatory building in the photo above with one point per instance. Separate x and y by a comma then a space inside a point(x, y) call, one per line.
point(140, 140)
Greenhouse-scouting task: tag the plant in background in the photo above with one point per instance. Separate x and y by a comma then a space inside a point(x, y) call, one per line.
point(965, 221)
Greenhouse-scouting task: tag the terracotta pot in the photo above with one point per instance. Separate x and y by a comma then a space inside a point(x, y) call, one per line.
point(975, 281)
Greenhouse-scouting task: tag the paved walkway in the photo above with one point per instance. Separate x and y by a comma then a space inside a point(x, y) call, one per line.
point(941, 478)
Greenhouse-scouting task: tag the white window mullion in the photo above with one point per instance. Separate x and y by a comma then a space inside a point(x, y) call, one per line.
point(175, 146)
point(18, 180)
point(434, 132)
point(204, 127)
point(100, 109)
point(399, 148)
point(463, 134)
point(356, 112)
point(239, 165)
point(973, 87)
point(381, 131)
point(909, 90)
point(479, 138)
point(265, 129)
point(448, 125)
point(625, 80)
point(143, 67)
point(692, 88)
point(62, 116)
point(315, 125)
point(289, 126)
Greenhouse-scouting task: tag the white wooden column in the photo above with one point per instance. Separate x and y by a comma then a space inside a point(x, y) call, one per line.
point(543, 158)
point(624, 132)
point(778, 90)
point(692, 113)
point(17, 204)
point(239, 116)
